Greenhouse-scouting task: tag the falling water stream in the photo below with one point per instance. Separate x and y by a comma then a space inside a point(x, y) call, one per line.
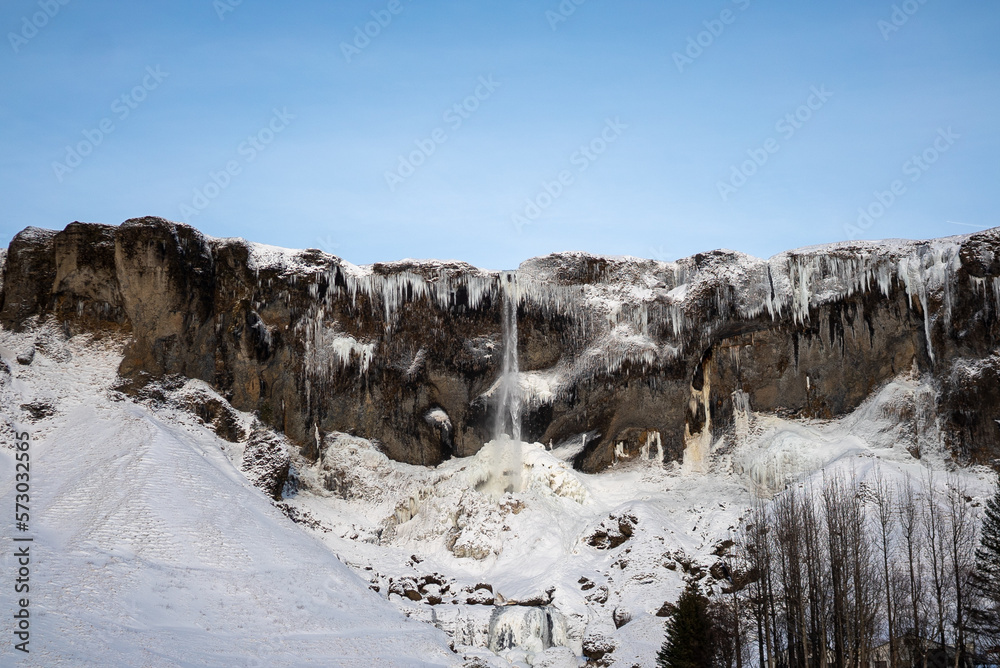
point(505, 448)
point(509, 404)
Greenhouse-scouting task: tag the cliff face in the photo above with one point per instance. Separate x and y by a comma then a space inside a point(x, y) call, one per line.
point(410, 353)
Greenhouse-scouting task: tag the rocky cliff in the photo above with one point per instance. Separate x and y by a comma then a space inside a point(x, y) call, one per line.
point(622, 350)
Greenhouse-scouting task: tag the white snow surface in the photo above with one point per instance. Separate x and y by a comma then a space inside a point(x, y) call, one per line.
point(151, 549)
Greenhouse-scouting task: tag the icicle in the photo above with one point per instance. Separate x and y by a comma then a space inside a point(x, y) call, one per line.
point(645, 452)
point(620, 451)
point(927, 324)
point(800, 274)
point(741, 414)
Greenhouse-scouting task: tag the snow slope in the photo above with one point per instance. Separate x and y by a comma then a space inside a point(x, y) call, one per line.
point(151, 549)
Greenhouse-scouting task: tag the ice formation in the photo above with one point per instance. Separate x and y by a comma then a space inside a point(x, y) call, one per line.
point(635, 292)
point(741, 413)
point(528, 628)
point(504, 467)
point(646, 451)
point(698, 446)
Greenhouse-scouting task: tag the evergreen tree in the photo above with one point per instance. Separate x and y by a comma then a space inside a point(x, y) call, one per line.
point(688, 643)
point(986, 616)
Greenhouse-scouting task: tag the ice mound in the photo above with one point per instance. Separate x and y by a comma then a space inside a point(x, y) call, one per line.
point(497, 468)
point(787, 451)
point(507, 466)
point(528, 628)
point(897, 420)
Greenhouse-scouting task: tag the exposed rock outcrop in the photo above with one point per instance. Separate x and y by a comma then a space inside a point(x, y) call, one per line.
point(408, 353)
point(266, 462)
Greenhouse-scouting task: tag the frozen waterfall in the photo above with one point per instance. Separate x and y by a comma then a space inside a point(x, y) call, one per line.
point(530, 629)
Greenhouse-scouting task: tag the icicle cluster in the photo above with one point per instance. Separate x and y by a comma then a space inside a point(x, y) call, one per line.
point(394, 290)
point(984, 286)
point(621, 313)
point(330, 351)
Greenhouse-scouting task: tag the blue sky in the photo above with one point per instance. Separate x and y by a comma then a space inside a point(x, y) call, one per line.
point(600, 126)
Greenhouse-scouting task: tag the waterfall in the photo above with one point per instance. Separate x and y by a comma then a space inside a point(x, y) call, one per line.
point(504, 451)
point(509, 400)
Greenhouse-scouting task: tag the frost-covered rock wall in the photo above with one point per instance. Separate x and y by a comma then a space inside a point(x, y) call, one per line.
point(410, 353)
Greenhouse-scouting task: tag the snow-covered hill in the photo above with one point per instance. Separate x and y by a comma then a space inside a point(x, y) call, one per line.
point(151, 549)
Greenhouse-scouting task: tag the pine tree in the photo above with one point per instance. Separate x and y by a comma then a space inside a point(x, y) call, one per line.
point(688, 643)
point(986, 616)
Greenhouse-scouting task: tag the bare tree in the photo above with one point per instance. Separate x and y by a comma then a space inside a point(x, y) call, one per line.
point(834, 494)
point(934, 533)
point(787, 533)
point(754, 549)
point(863, 575)
point(831, 572)
point(910, 525)
point(962, 540)
point(815, 562)
point(884, 504)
